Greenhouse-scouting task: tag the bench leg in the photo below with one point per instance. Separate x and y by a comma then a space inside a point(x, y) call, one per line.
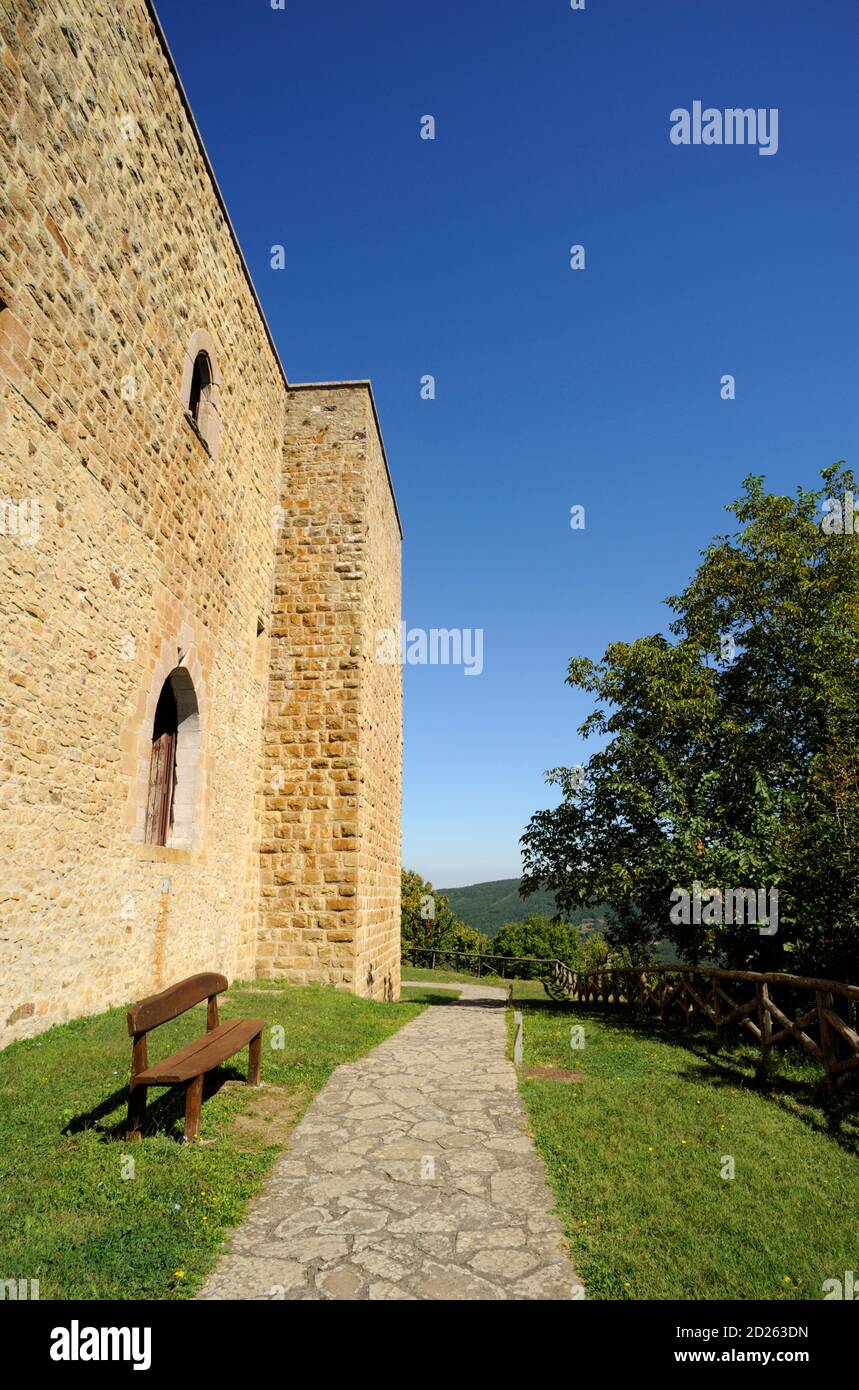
point(254, 1055)
point(193, 1104)
point(136, 1113)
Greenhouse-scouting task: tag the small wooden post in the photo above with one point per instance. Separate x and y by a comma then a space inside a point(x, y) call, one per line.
point(687, 1000)
point(828, 1036)
point(519, 1039)
point(193, 1105)
point(212, 1013)
point(137, 1094)
point(136, 1113)
point(765, 1022)
point(254, 1060)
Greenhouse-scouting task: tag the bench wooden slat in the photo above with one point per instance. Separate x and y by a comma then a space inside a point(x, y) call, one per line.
point(170, 1003)
point(202, 1054)
point(188, 1066)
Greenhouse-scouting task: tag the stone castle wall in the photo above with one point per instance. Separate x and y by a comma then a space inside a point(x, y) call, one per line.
point(380, 740)
point(128, 548)
point(328, 855)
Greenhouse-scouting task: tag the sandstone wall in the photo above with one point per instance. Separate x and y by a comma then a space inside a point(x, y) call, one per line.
point(261, 566)
point(150, 552)
point(330, 849)
point(380, 740)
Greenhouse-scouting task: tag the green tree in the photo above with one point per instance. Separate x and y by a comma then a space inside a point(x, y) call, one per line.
point(461, 937)
point(731, 756)
point(426, 916)
point(539, 937)
point(428, 923)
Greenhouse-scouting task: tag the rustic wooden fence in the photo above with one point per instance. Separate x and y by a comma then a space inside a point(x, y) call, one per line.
point(482, 962)
point(690, 990)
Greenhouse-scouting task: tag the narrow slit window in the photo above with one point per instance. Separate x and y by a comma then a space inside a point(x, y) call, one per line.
point(201, 383)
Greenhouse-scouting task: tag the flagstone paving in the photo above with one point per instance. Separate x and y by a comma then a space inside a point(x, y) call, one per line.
point(411, 1176)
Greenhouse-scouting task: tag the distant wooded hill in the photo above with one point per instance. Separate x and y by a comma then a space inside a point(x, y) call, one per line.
point(488, 906)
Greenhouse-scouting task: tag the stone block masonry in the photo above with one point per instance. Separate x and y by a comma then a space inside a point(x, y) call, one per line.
point(234, 553)
point(330, 862)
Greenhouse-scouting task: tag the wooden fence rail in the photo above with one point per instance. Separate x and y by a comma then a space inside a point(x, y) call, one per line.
point(482, 962)
point(832, 1012)
point(689, 990)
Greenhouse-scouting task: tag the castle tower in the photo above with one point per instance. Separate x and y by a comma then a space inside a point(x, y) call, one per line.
point(330, 839)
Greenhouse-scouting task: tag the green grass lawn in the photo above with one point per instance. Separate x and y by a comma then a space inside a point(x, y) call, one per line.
point(636, 1150)
point(71, 1217)
point(421, 972)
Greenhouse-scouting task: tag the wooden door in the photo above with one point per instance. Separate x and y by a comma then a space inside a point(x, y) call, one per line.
point(162, 769)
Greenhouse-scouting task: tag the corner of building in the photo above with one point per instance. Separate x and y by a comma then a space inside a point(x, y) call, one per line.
point(332, 781)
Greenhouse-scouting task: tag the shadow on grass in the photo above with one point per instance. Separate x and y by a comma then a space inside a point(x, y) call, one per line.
point(165, 1114)
point(787, 1080)
point(479, 1003)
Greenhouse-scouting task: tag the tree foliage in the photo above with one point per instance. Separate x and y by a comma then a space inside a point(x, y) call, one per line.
point(731, 755)
point(542, 937)
point(428, 923)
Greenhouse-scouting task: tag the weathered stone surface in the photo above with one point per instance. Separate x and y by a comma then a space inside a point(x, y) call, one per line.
point(260, 567)
point(414, 1220)
point(258, 1278)
point(343, 1283)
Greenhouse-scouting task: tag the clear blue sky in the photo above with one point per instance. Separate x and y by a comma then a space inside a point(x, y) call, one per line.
point(555, 387)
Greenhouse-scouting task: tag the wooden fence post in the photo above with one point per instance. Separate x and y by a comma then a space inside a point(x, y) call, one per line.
point(828, 1036)
point(518, 1044)
point(765, 1022)
point(717, 1008)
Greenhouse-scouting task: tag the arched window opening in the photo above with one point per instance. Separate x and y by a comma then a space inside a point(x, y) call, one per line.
point(201, 387)
point(174, 764)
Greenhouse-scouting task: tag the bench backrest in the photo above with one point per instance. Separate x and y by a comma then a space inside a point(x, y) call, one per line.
point(170, 1003)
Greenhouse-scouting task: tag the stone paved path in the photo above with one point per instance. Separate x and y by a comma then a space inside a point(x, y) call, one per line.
point(409, 1177)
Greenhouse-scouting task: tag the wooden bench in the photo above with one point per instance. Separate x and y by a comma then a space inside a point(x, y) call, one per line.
point(189, 1065)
